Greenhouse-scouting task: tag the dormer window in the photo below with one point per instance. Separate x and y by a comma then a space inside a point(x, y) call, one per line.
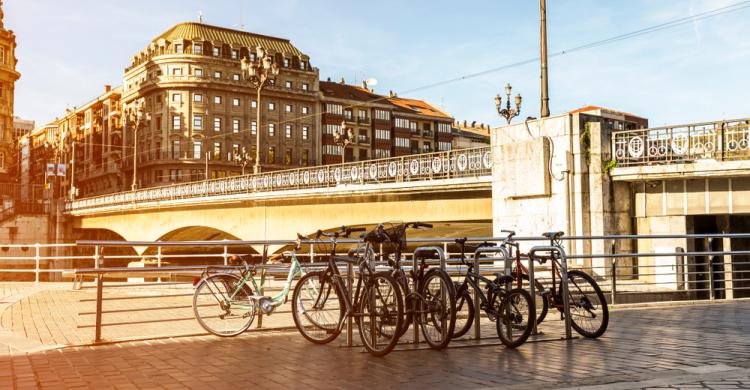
point(178, 48)
point(235, 54)
point(286, 62)
point(217, 51)
point(197, 48)
point(303, 65)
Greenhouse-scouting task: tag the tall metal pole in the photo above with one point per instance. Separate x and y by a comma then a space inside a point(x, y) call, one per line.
point(543, 44)
point(134, 186)
point(256, 167)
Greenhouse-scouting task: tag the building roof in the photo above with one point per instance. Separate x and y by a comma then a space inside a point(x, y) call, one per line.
point(203, 32)
point(350, 92)
point(419, 107)
point(602, 111)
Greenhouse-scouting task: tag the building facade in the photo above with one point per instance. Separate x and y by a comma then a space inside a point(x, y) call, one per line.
point(197, 106)
point(21, 127)
point(8, 77)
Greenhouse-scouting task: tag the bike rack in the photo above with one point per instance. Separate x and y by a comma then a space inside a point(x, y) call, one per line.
point(418, 252)
point(564, 282)
point(507, 266)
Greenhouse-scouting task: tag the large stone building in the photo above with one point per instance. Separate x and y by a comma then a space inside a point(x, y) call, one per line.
point(8, 77)
point(21, 127)
point(197, 106)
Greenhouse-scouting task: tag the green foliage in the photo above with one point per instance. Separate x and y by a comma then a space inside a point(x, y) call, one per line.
point(609, 166)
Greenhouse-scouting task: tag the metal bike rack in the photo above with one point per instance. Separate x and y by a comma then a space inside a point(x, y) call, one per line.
point(564, 282)
point(507, 266)
point(424, 251)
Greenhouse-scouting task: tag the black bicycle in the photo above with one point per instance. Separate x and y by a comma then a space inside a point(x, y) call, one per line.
point(321, 301)
point(429, 295)
point(511, 309)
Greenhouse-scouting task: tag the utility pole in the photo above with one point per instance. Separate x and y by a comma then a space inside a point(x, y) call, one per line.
point(543, 44)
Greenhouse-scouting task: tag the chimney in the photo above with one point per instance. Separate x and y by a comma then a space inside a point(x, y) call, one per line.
point(364, 85)
point(342, 81)
point(391, 94)
point(107, 88)
point(328, 79)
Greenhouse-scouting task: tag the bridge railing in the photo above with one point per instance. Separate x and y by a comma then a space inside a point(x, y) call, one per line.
point(722, 140)
point(429, 166)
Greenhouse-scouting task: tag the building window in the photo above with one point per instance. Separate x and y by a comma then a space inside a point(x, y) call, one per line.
point(198, 122)
point(402, 123)
point(176, 122)
point(197, 48)
point(426, 147)
point(288, 131)
point(382, 153)
point(217, 51)
point(302, 65)
point(217, 151)
point(198, 98)
point(288, 108)
point(235, 125)
point(444, 128)
point(426, 126)
point(305, 132)
point(176, 71)
point(271, 106)
point(305, 86)
point(288, 157)
point(382, 115)
point(236, 102)
point(271, 129)
point(382, 134)
point(305, 110)
point(253, 103)
point(348, 114)
point(271, 155)
point(174, 174)
point(288, 84)
point(362, 114)
point(331, 129)
point(217, 74)
point(305, 157)
point(217, 99)
point(198, 72)
point(332, 150)
point(217, 124)
point(253, 127)
point(178, 48)
point(176, 98)
point(236, 77)
point(175, 149)
point(444, 146)
point(402, 142)
point(286, 62)
point(235, 54)
point(335, 109)
point(197, 145)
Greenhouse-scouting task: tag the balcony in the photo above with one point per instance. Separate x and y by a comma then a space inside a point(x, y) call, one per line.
point(415, 133)
point(362, 139)
point(427, 133)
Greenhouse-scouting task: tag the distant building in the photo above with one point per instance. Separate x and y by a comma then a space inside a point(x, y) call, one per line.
point(8, 77)
point(21, 127)
point(470, 135)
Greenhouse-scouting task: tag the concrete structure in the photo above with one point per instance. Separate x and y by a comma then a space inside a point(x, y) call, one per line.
point(8, 77)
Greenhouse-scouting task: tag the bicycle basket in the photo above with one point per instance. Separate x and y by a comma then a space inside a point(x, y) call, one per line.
point(396, 233)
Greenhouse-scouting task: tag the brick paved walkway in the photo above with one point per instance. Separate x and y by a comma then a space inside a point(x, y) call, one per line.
point(701, 346)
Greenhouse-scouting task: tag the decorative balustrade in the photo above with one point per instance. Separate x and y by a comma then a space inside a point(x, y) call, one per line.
point(725, 140)
point(423, 167)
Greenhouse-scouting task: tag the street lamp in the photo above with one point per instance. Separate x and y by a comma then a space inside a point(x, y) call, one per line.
point(343, 138)
point(139, 118)
point(243, 158)
point(257, 73)
point(507, 112)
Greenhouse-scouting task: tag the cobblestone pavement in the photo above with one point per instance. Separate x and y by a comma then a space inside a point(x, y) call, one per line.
point(699, 346)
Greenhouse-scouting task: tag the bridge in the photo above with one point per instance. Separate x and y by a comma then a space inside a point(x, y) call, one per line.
point(448, 188)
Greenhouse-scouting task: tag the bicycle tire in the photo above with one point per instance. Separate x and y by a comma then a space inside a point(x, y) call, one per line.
point(316, 312)
point(584, 304)
point(541, 305)
point(437, 308)
point(408, 317)
point(381, 303)
point(213, 293)
point(512, 319)
point(464, 312)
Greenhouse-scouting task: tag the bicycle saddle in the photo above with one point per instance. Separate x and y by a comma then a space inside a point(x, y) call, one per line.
point(553, 235)
point(501, 278)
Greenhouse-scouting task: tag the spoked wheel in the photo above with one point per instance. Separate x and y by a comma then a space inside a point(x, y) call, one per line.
point(540, 300)
point(464, 312)
point(513, 314)
point(436, 309)
point(589, 314)
point(217, 311)
point(408, 317)
point(317, 308)
point(382, 312)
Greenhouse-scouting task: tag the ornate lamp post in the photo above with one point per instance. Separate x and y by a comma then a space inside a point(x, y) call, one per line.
point(507, 112)
point(243, 158)
point(257, 73)
point(343, 138)
point(139, 119)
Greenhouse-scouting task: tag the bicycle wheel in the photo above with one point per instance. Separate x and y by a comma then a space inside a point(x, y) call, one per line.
point(464, 312)
point(317, 308)
point(437, 308)
point(540, 299)
point(513, 313)
point(589, 313)
point(382, 310)
point(216, 310)
point(408, 317)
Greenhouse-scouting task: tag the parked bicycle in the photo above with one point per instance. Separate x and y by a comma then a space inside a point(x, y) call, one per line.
point(429, 296)
point(510, 309)
point(225, 304)
point(322, 301)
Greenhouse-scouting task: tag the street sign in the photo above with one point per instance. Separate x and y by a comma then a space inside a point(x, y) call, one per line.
point(50, 169)
point(61, 169)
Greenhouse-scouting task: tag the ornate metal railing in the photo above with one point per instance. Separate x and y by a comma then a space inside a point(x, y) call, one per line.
point(422, 167)
point(724, 140)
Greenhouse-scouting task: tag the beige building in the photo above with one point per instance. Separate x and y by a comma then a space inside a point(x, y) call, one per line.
point(8, 77)
point(198, 106)
point(470, 135)
point(21, 127)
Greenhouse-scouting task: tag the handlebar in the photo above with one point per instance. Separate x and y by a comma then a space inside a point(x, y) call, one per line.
point(344, 231)
point(417, 225)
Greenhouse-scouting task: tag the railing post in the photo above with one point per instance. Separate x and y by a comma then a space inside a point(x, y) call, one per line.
point(98, 324)
point(36, 262)
point(711, 293)
point(97, 255)
point(614, 273)
point(158, 261)
point(225, 255)
point(477, 327)
point(565, 294)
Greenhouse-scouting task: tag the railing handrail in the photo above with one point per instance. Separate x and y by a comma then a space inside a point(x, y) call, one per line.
point(686, 125)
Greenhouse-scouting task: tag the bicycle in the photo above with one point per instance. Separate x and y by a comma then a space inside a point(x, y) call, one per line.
point(430, 301)
point(321, 301)
point(589, 313)
point(235, 298)
point(511, 309)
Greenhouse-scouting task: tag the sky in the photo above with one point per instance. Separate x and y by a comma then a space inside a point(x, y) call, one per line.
point(69, 49)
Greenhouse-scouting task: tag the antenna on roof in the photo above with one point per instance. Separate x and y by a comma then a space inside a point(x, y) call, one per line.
point(200, 17)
